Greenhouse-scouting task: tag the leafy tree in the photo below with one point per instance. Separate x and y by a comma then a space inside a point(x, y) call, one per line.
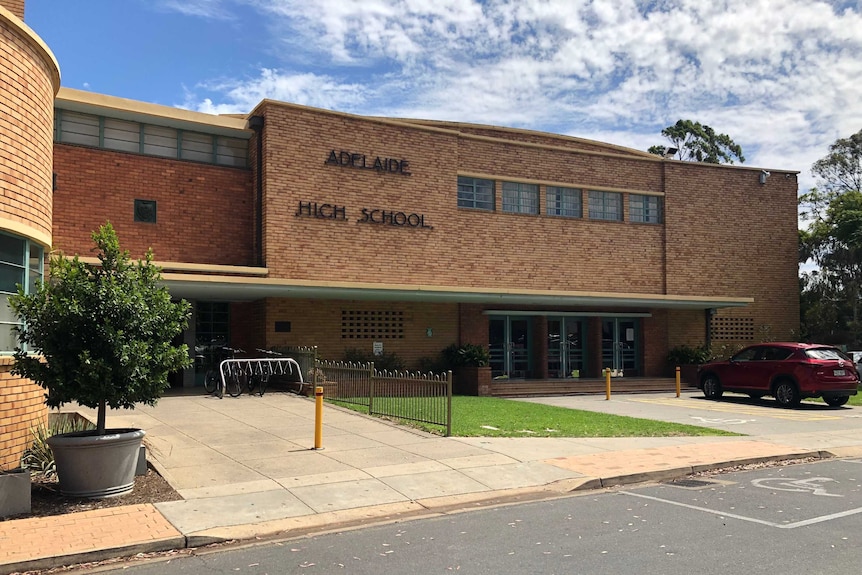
point(104, 332)
point(832, 295)
point(696, 142)
point(841, 169)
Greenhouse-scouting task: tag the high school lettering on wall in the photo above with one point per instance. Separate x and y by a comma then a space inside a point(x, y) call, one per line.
point(327, 211)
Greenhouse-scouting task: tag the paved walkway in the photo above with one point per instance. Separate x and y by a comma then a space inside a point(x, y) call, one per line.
point(246, 468)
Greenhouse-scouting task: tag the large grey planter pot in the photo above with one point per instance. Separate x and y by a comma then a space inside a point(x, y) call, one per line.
point(97, 466)
point(14, 493)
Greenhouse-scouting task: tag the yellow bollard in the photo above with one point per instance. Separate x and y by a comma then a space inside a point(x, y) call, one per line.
point(318, 417)
point(677, 381)
point(607, 383)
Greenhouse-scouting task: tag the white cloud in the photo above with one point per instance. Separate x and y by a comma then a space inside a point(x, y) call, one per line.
point(778, 77)
point(210, 9)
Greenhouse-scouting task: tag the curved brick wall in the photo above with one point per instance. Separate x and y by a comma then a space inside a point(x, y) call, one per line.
point(22, 408)
point(30, 79)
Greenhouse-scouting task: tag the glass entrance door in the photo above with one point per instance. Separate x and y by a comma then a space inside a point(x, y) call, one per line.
point(565, 347)
point(509, 342)
point(620, 344)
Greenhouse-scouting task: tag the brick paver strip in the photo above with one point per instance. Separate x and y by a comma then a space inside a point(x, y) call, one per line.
point(657, 459)
point(111, 528)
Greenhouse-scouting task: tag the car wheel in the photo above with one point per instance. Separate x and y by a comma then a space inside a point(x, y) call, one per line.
point(786, 394)
point(712, 387)
point(836, 401)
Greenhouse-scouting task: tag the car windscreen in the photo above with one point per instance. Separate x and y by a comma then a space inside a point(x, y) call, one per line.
point(824, 353)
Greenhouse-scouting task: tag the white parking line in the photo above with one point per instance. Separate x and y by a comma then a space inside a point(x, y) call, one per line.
point(803, 523)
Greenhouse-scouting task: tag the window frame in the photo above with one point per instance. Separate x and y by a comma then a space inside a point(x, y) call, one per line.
point(29, 277)
point(641, 213)
point(152, 139)
point(560, 207)
point(603, 205)
point(520, 198)
point(469, 192)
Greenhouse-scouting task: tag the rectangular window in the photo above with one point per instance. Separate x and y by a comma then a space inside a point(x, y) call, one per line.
point(520, 198)
point(122, 135)
point(159, 141)
point(475, 193)
point(197, 147)
point(606, 206)
point(78, 128)
point(125, 136)
point(231, 152)
point(645, 209)
point(21, 263)
point(566, 202)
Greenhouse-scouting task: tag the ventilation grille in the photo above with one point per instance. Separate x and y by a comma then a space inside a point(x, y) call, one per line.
point(370, 324)
point(732, 328)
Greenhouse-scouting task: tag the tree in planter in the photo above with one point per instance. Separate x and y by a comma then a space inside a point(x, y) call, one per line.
point(104, 332)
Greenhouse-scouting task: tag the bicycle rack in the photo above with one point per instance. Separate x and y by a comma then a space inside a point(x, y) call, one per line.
point(264, 367)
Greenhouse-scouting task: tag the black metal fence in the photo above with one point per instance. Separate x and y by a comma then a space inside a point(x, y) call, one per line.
point(409, 396)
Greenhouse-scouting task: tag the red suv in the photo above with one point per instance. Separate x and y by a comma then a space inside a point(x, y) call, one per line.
point(787, 371)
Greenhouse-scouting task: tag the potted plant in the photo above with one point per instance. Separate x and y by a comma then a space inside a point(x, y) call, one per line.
point(99, 335)
point(687, 358)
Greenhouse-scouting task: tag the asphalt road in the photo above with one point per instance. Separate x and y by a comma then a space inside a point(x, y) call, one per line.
point(795, 519)
point(734, 412)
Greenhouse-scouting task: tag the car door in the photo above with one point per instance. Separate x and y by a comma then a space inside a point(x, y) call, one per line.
point(767, 363)
point(737, 372)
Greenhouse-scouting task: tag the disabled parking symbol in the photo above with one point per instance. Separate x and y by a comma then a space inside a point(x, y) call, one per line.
point(813, 485)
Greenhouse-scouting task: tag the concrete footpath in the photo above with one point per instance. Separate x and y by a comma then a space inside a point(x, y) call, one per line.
point(246, 469)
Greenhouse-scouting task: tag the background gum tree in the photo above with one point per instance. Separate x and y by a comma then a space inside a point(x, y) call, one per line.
point(833, 241)
point(100, 335)
point(696, 142)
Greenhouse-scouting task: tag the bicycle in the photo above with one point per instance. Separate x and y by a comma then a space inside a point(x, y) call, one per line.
point(217, 382)
point(260, 375)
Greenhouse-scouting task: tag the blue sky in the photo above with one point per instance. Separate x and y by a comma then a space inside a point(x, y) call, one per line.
point(781, 77)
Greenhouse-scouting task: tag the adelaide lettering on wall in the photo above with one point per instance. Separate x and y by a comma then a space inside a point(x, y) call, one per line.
point(361, 161)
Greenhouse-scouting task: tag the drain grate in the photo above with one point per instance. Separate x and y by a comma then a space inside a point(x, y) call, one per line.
point(690, 483)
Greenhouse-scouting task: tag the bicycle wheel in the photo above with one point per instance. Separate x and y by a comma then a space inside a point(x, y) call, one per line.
point(211, 381)
point(233, 385)
point(262, 387)
point(252, 383)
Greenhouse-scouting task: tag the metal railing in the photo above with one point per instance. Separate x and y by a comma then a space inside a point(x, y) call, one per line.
point(261, 368)
point(305, 356)
point(409, 396)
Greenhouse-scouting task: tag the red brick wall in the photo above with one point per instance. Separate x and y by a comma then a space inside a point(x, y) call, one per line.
point(22, 408)
point(204, 213)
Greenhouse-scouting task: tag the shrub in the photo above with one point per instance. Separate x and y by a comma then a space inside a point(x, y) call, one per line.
point(38, 457)
point(468, 354)
point(383, 362)
point(688, 355)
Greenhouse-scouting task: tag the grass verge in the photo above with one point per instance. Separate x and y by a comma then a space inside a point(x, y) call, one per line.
point(495, 417)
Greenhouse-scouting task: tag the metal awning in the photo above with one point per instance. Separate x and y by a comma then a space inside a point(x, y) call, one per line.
point(236, 288)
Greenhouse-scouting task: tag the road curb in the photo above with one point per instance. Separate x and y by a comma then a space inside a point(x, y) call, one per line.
point(82, 557)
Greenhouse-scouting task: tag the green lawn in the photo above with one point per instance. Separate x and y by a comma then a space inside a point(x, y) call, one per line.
point(494, 417)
